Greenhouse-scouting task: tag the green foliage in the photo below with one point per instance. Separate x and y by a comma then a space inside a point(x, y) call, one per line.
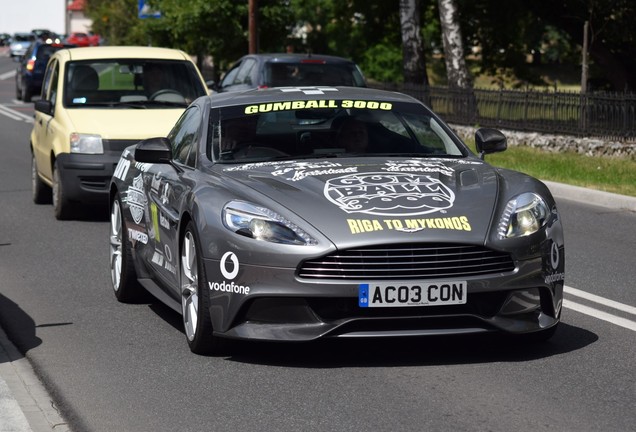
point(382, 63)
point(508, 40)
point(116, 21)
point(610, 174)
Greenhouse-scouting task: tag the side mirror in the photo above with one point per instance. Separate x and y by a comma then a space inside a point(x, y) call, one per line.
point(490, 141)
point(43, 106)
point(154, 150)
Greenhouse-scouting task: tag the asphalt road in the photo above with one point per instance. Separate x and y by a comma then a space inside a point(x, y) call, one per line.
point(115, 367)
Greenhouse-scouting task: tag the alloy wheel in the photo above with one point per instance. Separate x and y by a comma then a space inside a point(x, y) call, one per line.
point(189, 285)
point(115, 245)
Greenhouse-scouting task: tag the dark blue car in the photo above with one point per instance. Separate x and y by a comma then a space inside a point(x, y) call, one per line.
point(31, 67)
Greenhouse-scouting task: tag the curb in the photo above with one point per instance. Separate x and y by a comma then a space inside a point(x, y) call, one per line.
point(592, 196)
point(25, 405)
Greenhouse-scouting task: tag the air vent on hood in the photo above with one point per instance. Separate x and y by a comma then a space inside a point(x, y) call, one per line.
point(468, 178)
point(274, 183)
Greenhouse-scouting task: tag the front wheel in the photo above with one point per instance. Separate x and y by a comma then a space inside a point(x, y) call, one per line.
point(195, 300)
point(122, 271)
point(27, 93)
point(62, 207)
point(40, 190)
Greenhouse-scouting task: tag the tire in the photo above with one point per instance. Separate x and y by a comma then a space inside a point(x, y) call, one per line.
point(122, 270)
point(41, 191)
point(195, 299)
point(62, 207)
point(18, 92)
point(27, 93)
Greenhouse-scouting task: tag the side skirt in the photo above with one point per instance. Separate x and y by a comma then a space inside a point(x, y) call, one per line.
point(160, 294)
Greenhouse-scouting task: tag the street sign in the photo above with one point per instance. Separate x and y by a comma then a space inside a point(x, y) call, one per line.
point(145, 11)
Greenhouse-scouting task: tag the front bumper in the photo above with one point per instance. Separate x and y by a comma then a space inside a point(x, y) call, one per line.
point(86, 178)
point(275, 304)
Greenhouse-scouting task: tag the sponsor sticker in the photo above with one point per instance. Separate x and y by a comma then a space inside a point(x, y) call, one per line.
point(121, 170)
point(409, 225)
point(555, 259)
point(389, 194)
point(136, 199)
point(316, 104)
point(135, 235)
point(229, 266)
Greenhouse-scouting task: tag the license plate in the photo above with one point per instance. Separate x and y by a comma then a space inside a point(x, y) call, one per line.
point(430, 293)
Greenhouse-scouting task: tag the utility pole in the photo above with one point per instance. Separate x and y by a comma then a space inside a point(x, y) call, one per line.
point(584, 65)
point(253, 26)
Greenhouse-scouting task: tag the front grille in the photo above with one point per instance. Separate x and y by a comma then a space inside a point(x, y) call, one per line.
point(118, 145)
point(95, 183)
point(408, 261)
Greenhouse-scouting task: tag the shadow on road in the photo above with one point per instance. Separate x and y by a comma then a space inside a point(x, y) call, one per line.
point(419, 351)
point(415, 351)
point(18, 325)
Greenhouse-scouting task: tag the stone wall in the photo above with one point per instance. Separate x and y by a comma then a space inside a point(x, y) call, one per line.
point(559, 143)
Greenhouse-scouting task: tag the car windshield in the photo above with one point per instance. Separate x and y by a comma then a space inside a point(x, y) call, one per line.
point(312, 73)
point(327, 128)
point(22, 38)
point(46, 50)
point(131, 83)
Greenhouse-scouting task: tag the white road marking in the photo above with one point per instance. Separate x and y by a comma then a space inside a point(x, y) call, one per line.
point(600, 300)
point(15, 115)
point(628, 324)
point(599, 314)
point(7, 75)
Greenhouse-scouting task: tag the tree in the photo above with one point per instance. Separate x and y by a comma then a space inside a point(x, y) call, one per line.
point(456, 69)
point(612, 42)
point(412, 47)
point(200, 27)
point(367, 32)
point(117, 22)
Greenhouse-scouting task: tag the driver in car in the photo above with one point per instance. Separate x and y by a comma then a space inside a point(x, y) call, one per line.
point(156, 85)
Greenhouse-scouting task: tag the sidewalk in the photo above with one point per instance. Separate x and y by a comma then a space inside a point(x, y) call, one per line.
point(26, 406)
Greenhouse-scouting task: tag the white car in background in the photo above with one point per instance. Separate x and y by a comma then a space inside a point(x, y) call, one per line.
point(20, 43)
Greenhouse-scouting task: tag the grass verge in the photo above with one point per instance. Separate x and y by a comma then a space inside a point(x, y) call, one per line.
point(609, 174)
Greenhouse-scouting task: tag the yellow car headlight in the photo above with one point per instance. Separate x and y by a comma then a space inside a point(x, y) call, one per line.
point(86, 143)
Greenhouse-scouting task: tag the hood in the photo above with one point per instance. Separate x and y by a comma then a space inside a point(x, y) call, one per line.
point(377, 199)
point(124, 123)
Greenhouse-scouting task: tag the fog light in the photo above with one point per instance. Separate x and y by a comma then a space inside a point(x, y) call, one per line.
point(521, 301)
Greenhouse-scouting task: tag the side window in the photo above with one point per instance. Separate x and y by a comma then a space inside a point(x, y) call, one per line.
point(229, 77)
point(183, 137)
point(244, 75)
point(49, 87)
point(29, 53)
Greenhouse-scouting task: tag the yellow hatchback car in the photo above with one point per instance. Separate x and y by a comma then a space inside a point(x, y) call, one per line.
point(94, 103)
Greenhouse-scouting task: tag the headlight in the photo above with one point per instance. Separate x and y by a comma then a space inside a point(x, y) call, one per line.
point(524, 215)
point(263, 224)
point(85, 143)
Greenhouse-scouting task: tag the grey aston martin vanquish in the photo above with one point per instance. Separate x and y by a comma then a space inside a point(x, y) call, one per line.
point(299, 213)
